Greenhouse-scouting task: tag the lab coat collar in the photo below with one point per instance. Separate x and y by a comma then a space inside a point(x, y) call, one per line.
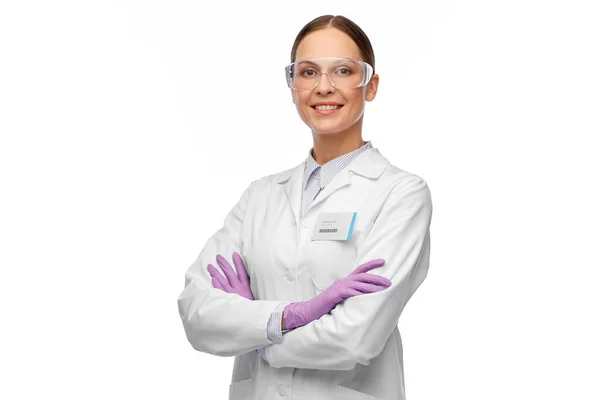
point(330, 169)
point(369, 164)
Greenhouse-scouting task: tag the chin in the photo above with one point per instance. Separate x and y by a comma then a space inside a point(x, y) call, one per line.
point(330, 127)
point(328, 130)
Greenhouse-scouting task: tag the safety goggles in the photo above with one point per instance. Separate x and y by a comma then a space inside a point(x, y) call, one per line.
point(342, 73)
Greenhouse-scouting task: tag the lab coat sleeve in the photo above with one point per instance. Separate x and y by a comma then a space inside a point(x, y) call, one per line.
point(356, 330)
point(217, 322)
point(274, 332)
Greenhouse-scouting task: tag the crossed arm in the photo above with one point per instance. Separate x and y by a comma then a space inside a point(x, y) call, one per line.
point(202, 307)
point(356, 330)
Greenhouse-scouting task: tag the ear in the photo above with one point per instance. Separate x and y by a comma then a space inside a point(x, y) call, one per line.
point(372, 87)
point(293, 97)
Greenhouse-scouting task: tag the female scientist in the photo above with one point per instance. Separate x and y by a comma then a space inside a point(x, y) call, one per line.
point(328, 252)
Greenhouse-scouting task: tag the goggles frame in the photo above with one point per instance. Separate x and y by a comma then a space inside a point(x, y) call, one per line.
point(367, 72)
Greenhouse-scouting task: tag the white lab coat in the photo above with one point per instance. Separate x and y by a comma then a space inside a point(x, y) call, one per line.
point(355, 351)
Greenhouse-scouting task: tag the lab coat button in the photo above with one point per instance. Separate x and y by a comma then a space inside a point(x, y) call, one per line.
point(281, 390)
point(289, 276)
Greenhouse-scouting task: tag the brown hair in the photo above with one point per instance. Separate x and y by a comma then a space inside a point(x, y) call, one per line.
point(343, 24)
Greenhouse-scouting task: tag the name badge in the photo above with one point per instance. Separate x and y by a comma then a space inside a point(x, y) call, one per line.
point(334, 226)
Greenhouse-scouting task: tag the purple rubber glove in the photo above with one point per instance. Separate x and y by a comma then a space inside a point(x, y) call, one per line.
point(357, 283)
point(235, 283)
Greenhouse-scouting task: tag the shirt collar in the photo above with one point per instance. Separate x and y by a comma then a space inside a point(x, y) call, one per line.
point(330, 168)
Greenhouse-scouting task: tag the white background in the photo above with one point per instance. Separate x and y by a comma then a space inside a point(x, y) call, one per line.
point(130, 128)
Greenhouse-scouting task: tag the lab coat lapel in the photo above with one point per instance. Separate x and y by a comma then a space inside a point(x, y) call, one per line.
point(369, 164)
point(292, 178)
point(340, 180)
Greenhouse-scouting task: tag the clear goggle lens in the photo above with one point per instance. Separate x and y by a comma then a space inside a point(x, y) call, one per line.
point(343, 73)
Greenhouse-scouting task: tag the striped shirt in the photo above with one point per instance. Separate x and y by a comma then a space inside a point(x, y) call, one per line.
point(316, 177)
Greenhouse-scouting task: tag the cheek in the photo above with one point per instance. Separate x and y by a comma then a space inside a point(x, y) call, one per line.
point(357, 97)
point(355, 100)
point(356, 104)
point(301, 98)
point(301, 102)
point(304, 110)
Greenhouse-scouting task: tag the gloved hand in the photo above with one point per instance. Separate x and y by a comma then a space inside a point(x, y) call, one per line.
point(357, 283)
point(235, 283)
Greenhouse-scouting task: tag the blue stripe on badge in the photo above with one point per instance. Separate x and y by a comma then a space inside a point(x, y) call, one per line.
point(351, 226)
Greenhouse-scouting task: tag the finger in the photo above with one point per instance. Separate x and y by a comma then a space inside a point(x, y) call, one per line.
point(367, 287)
point(217, 275)
point(229, 273)
point(240, 268)
point(369, 265)
point(347, 292)
point(371, 278)
point(217, 285)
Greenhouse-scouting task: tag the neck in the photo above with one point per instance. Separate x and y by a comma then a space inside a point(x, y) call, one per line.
point(328, 146)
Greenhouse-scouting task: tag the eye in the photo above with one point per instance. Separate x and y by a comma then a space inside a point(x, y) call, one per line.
point(308, 72)
point(344, 71)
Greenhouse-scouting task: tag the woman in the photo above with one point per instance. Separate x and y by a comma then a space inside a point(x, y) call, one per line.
point(328, 252)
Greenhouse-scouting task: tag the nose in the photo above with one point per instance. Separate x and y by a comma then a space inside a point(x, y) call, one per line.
point(324, 85)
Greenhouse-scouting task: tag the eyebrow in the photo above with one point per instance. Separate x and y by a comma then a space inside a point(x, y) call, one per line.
point(340, 62)
point(306, 62)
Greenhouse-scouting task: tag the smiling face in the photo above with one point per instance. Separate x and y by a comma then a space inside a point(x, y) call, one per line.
point(331, 42)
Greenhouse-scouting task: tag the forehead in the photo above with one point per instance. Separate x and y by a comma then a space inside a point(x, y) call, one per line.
point(328, 42)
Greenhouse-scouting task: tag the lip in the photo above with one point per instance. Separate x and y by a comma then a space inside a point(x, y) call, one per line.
point(326, 103)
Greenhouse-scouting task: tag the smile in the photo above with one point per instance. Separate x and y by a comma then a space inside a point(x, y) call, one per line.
point(326, 109)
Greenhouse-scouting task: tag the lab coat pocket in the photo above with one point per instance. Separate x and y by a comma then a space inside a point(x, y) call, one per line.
point(318, 287)
point(359, 233)
point(241, 390)
point(333, 260)
point(344, 393)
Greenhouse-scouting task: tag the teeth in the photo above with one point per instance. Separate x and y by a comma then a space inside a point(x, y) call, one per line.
point(327, 107)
